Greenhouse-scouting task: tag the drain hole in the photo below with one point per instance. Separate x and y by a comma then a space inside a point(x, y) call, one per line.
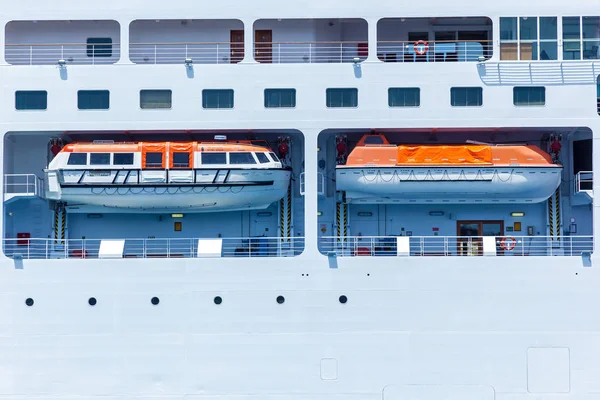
point(155, 301)
point(343, 299)
point(218, 300)
point(29, 302)
point(92, 301)
point(280, 299)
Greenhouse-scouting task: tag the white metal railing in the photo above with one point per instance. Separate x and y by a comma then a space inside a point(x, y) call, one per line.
point(584, 181)
point(310, 52)
point(438, 51)
point(74, 53)
point(177, 53)
point(352, 246)
point(320, 184)
point(23, 184)
point(153, 248)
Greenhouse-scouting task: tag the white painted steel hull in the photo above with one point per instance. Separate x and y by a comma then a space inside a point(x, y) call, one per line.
point(448, 185)
point(256, 190)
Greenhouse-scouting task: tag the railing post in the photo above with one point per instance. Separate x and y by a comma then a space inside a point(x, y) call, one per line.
point(310, 53)
point(278, 53)
point(30, 55)
point(341, 52)
point(155, 54)
point(218, 54)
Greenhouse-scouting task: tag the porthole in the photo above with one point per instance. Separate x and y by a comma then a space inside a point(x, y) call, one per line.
point(343, 299)
point(218, 300)
point(155, 301)
point(92, 301)
point(280, 299)
point(29, 302)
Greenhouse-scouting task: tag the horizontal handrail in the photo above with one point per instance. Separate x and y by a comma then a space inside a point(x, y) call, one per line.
point(351, 246)
point(435, 51)
point(23, 184)
point(47, 54)
point(44, 248)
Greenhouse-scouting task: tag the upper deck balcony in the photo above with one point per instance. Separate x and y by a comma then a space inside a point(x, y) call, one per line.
point(174, 41)
point(310, 41)
point(434, 39)
point(74, 42)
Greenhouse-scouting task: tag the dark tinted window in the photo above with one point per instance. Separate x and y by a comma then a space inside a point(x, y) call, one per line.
point(214, 158)
point(466, 96)
point(31, 100)
point(99, 47)
point(77, 159)
point(217, 98)
point(373, 140)
point(123, 159)
point(99, 158)
point(404, 97)
point(93, 99)
point(529, 96)
point(280, 98)
point(154, 160)
point(274, 157)
point(241, 158)
point(153, 99)
point(342, 98)
point(262, 158)
point(181, 160)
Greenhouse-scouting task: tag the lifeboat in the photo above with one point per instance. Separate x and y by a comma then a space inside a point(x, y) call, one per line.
point(194, 176)
point(378, 172)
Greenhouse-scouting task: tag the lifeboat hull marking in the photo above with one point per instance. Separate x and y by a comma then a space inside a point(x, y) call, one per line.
point(448, 185)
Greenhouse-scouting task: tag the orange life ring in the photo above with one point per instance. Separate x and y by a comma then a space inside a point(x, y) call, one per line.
point(421, 47)
point(508, 243)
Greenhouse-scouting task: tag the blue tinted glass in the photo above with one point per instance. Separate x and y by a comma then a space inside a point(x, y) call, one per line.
point(31, 100)
point(93, 99)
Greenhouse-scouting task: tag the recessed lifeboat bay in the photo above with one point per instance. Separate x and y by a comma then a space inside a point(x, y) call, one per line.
point(196, 176)
point(377, 171)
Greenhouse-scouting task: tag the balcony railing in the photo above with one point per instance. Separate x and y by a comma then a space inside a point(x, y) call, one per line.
point(310, 52)
point(153, 248)
point(16, 185)
point(584, 181)
point(439, 51)
point(73, 53)
point(352, 246)
point(177, 53)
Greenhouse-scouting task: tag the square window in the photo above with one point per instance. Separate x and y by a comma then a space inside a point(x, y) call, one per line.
point(181, 160)
point(336, 98)
point(31, 100)
point(466, 97)
point(155, 99)
point(99, 47)
point(93, 99)
point(99, 158)
point(280, 98)
point(154, 160)
point(404, 97)
point(217, 98)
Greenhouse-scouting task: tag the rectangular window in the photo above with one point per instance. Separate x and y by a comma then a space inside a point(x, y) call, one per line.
point(93, 99)
point(590, 27)
point(528, 38)
point(77, 159)
point(217, 98)
point(508, 38)
point(466, 97)
point(571, 38)
point(262, 158)
point(99, 47)
point(280, 98)
point(241, 158)
point(31, 100)
point(404, 97)
point(123, 159)
point(99, 158)
point(274, 157)
point(181, 160)
point(155, 99)
point(342, 98)
point(214, 158)
point(154, 160)
point(529, 96)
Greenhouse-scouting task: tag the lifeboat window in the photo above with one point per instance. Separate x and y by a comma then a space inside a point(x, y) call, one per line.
point(154, 160)
point(123, 159)
point(214, 158)
point(100, 159)
point(77, 159)
point(181, 160)
point(274, 157)
point(373, 140)
point(262, 158)
point(241, 158)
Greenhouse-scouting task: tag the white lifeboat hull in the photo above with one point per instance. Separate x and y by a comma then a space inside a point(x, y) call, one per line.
point(191, 191)
point(448, 185)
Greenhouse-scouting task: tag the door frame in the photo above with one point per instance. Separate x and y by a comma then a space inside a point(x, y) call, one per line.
point(236, 48)
point(463, 243)
point(263, 51)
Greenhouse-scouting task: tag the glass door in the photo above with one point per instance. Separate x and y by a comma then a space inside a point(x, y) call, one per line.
point(470, 234)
